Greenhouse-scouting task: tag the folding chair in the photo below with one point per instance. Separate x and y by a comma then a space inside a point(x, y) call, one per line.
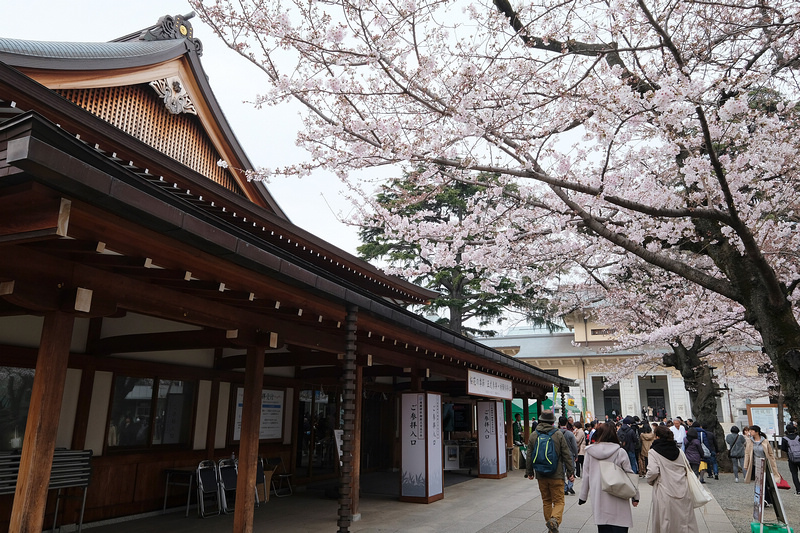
point(228, 473)
point(264, 478)
point(281, 479)
point(207, 486)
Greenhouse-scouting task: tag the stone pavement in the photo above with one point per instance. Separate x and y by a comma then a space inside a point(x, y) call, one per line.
point(509, 505)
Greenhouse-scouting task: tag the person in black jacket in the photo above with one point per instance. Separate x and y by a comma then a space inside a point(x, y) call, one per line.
point(693, 451)
point(628, 438)
point(789, 444)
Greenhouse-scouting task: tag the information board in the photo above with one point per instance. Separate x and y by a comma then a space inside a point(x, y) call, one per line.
point(766, 417)
point(271, 424)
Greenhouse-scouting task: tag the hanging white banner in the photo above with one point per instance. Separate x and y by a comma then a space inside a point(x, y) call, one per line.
point(480, 384)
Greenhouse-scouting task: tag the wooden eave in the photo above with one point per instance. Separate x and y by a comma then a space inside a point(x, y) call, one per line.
point(180, 60)
point(176, 262)
point(110, 142)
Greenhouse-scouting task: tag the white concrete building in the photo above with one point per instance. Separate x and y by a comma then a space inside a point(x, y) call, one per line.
point(582, 353)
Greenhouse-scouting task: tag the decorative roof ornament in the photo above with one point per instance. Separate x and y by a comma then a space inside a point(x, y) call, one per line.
point(175, 97)
point(169, 27)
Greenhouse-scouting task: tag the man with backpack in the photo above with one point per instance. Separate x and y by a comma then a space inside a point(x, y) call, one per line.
point(791, 445)
point(628, 439)
point(548, 459)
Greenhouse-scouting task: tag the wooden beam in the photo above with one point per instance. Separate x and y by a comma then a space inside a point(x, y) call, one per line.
point(319, 372)
point(38, 297)
point(28, 215)
point(142, 297)
point(30, 498)
point(281, 359)
point(248, 443)
point(184, 340)
point(156, 342)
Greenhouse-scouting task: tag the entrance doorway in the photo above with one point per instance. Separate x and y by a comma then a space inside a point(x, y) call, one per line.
point(656, 400)
point(316, 450)
point(611, 403)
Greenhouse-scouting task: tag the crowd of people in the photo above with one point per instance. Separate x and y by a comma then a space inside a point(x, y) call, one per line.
point(664, 453)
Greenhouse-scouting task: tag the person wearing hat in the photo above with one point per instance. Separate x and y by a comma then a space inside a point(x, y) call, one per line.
point(551, 487)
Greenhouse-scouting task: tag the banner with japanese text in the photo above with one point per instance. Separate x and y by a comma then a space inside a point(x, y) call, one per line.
point(435, 465)
point(412, 433)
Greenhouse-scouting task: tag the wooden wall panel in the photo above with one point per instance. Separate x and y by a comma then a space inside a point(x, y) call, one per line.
point(138, 111)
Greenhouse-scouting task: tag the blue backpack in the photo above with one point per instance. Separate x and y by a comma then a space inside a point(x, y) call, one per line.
point(542, 455)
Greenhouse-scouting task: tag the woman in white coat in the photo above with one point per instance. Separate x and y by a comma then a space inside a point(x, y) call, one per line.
point(672, 510)
point(611, 514)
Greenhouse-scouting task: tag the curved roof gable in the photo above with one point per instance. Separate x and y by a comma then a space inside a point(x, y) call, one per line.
point(161, 55)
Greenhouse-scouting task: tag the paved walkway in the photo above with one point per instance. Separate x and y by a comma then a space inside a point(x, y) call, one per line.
point(510, 505)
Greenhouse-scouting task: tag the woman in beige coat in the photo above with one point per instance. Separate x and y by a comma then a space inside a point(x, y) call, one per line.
point(646, 437)
point(580, 438)
point(756, 446)
point(672, 510)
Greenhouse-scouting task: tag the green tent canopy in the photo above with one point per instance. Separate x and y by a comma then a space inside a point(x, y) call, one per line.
point(547, 403)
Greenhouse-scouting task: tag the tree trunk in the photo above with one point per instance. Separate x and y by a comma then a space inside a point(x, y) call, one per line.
point(780, 338)
point(767, 306)
point(703, 392)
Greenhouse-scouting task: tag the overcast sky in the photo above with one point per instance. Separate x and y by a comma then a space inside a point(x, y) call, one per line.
point(267, 135)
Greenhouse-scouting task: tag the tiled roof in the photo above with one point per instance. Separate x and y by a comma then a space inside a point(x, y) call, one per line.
point(41, 54)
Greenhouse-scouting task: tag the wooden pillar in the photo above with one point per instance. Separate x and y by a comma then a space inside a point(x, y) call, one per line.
point(248, 443)
point(509, 420)
point(526, 416)
point(416, 380)
point(211, 429)
point(30, 498)
point(355, 485)
point(349, 430)
point(82, 411)
point(539, 401)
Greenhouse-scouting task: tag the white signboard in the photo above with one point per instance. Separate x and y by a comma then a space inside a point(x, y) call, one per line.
point(766, 417)
point(480, 384)
point(487, 438)
point(271, 426)
point(501, 439)
point(412, 430)
point(435, 467)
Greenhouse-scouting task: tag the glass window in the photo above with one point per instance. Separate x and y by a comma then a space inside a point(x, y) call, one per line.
point(173, 412)
point(146, 411)
point(15, 397)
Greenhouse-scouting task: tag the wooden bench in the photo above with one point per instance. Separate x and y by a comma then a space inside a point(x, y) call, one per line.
point(71, 469)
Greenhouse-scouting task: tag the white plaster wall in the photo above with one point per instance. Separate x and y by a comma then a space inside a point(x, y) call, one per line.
point(69, 408)
point(221, 436)
point(80, 330)
point(201, 415)
point(629, 397)
point(678, 398)
point(147, 324)
point(23, 331)
point(98, 412)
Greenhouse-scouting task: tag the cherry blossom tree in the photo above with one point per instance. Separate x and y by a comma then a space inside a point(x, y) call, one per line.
point(664, 129)
point(669, 324)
